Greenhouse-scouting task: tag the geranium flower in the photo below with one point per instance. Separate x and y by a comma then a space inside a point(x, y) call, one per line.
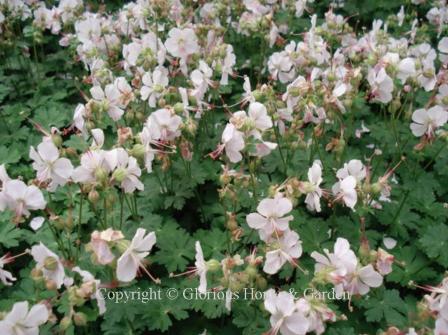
point(21, 198)
point(164, 125)
point(271, 216)
point(23, 321)
point(109, 99)
point(99, 243)
point(49, 166)
point(93, 166)
point(286, 248)
point(361, 280)
point(6, 277)
point(346, 190)
point(201, 268)
point(130, 260)
point(426, 121)
point(233, 143)
point(49, 263)
point(336, 264)
point(285, 318)
point(312, 188)
point(153, 85)
point(381, 85)
point(354, 168)
point(182, 42)
point(92, 286)
point(126, 169)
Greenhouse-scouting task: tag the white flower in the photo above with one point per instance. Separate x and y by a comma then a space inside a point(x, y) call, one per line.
point(233, 142)
point(21, 321)
point(337, 264)
point(426, 121)
point(406, 69)
point(284, 314)
point(99, 243)
point(384, 262)
point(343, 270)
point(280, 66)
point(126, 169)
point(360, 281)
point(89, 279)
point(354, 168)
point(381, 85)
point(442, 96)
point(346, 189)
point(271, 216)
point(201, 80)
point(49, 166)
point(258, 114)
point(443, 48)
point(427, 75)
point(149, 152)
point(130, 260)
point(49, 263)
point(125, 91)
point(109, 99)
point(164, 125)
point(6, 277)
point(287, 248)
point(227, 65)
point(149, 45)
point(92, 165)
point(313, 190)
point(19, 197)
point(201, 268)
point(153, 85)
point(79, 118)
point(182, 42)
point(248, 96)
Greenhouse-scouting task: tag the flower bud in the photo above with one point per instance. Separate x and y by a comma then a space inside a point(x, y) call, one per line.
point(261, 282)
point(80, 319)
point(101, 175)
point(213, 265)
point(51, 285)
point(251, 271)
point(93, 196)
point(376, 188)
point(178, 108)
point(122, 245)
point(119, 174)
point(138, 151)
point(65, 323)
point(50, 263)
point(57, 139)
point(258, 95)
point(36, 274)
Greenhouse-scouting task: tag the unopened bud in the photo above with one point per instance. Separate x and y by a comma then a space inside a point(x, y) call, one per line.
point(50, 263)
point(119, 174)
point(93, 196)
point(80, 319)
point(65, 323)
point(213, 265)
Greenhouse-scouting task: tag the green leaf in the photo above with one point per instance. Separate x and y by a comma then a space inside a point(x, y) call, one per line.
point(390, 307)
point(435, 243)
point(9, 234)
point(176, 247)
